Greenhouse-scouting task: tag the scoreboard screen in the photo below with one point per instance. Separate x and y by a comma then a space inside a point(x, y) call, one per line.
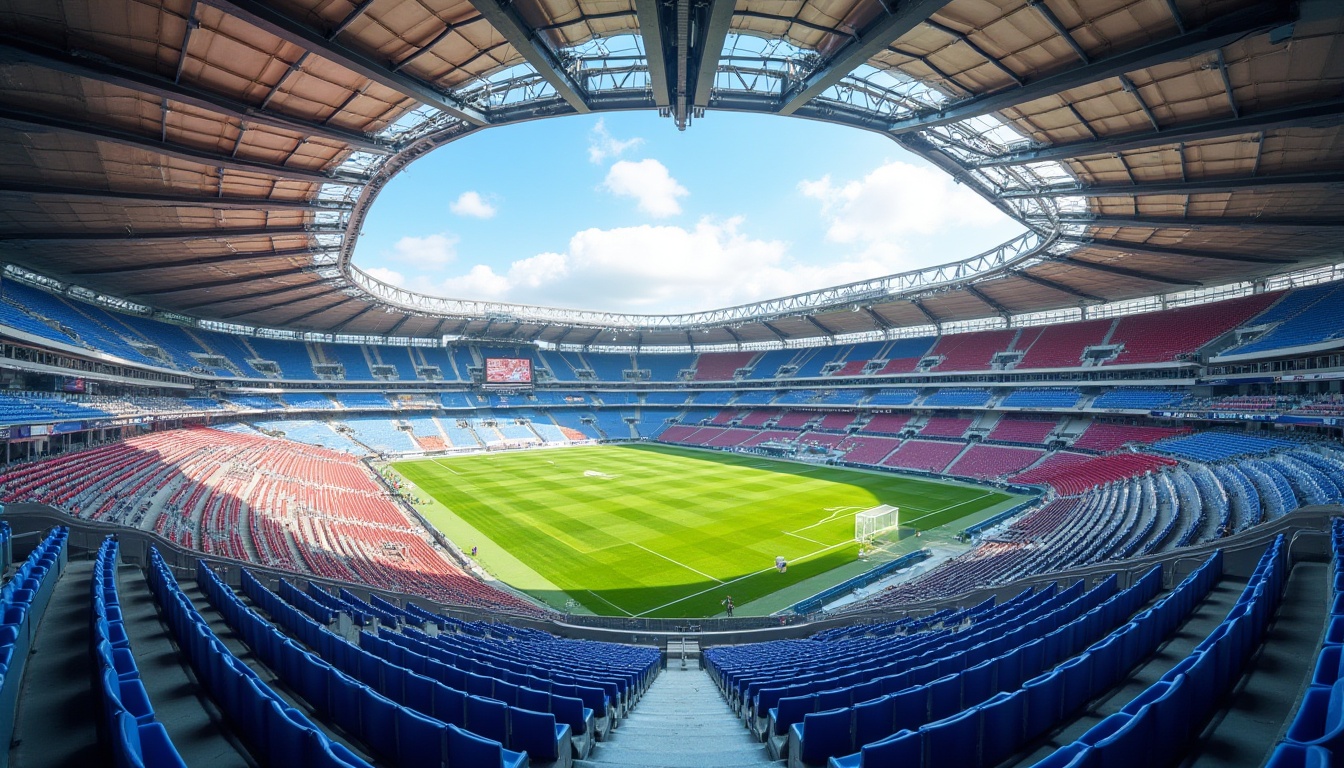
point(508, 370)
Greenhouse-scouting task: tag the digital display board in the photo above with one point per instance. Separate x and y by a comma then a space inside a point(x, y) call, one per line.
point(508, 371)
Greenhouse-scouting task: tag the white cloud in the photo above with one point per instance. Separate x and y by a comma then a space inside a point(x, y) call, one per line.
point(387, 275)
point(428, 252)
point(649, 183)
point(602, 145)
point(653, 268)
point(895, 203)
point(470, 203)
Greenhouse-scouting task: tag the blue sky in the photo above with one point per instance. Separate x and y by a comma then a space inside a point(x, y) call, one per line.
point(625, 213)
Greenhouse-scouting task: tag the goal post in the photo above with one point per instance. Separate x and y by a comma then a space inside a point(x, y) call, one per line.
point(871, 523)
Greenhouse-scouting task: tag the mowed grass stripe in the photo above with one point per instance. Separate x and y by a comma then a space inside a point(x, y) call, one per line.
point(575, 515)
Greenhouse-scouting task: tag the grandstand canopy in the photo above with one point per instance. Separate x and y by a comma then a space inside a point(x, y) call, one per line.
point(216, 158)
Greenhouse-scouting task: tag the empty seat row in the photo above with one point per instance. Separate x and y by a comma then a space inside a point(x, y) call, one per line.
point(1155, 727)
point(138, 739)
point(987, 733)
point(23, 600)
point(398, 735)
point(276, 733)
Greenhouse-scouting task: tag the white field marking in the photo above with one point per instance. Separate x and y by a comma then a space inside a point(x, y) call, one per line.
point(804, 538)
point(740, 578)
point(835, 512)
point(445, 466)
point(608, 602)
point(670, 560)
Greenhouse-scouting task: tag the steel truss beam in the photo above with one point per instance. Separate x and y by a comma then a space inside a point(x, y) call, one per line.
point(235, 280)
point(1216, 34)
point(346, 323)
point(875, 37)
point(714, 25)
point(987, 301)
point(923, 310)
point(91, 67)
point(320, 310)
point(504, 17)
point(193, 234)
point(655, 49)
point(881, 321)
point(771, 328)
point(1196, 222)
point(1061, 287)
point(245, 296)
point(23, 120)
point(1126, 272)
point(170, 199)
point(204, 261)
point(1177, 187)
point(264, 16)
point(278, 304)
point(1315, 115)
point(814, 321)
point(1183, 253)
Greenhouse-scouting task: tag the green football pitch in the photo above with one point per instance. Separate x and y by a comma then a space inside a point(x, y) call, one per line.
point(659, 531)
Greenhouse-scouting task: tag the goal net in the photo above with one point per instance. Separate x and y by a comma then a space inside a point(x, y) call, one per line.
point(874, 522)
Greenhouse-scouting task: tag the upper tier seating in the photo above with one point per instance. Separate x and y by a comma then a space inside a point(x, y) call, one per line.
point(970, 351)
point(945, 426)
point(1062, 346)
point(1161, 337)
point(894, 396)
point(1304, 316)
point(720, 366)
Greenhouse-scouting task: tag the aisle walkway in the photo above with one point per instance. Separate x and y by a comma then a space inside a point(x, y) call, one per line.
point(681, 722)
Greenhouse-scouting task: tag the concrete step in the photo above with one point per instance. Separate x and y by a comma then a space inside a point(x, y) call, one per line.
point(681, 722)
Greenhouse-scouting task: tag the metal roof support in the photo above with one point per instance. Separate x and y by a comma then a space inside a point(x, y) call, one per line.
point(190, 234)
point(541, 329)
point(1197, 222)
point(730, 332)
point(245, 296)
point(866, 43)
point(397, 325)
point(1126, 272)
point(981, 52)
point(25, 120)
point(275, 21)
point(1061, 30)
point(814, 321)
point(932, 318)
point(278, 304)
point(1219, 32)
point(506, 20)
point(1061, 287)
point(369, 307)
point(438, 329)
point(771, 328)
point(203, 261)
point(881, 321)
point(320, 310)
point(1221, 63)
point(987, 301)
point(235, 280)
point(103, 70)
point(1183, 253)
point(713, 27)
point(8, 187)
point(1310, 115)
point(655, 49)
point(1197, 187)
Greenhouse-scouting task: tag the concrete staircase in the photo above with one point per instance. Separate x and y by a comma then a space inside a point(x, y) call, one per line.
point(680, 722)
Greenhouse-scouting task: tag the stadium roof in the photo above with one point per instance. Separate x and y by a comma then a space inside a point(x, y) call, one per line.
point(215, 158)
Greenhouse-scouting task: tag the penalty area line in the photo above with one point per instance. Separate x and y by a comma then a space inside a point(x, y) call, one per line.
point(608, 602)
point(445, 466)
point(675, 562)
point(723, 584)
